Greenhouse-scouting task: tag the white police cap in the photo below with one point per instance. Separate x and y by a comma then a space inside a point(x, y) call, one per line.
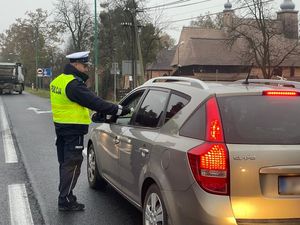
point(82, 57)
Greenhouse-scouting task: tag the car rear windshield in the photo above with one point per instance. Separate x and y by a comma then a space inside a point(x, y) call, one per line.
point(260, 119)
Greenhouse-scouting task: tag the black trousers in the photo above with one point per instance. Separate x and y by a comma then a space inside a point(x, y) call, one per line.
point(69, 153)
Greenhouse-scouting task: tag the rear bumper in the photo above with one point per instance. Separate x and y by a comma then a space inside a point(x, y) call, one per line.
point(6, 85)
point(195, 206)
point(11, 86)
point(269, 222)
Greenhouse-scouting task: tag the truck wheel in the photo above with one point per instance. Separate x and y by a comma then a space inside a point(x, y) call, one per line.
point(1, 91)
point(21, 89)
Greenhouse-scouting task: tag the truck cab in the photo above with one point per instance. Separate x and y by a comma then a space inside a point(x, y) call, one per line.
point(11, 77)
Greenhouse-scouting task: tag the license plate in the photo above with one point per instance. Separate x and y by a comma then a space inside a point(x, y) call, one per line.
point(289, 185)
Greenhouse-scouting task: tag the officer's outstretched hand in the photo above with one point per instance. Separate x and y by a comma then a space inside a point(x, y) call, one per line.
point(125, 111)
point(98, 117)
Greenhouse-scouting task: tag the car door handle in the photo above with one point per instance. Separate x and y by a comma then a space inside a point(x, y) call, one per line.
point(144, 151)
point(117, 140)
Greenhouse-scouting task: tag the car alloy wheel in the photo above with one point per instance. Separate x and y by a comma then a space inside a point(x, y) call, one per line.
point(94, 178)
point(91, 164)
point(154, 211)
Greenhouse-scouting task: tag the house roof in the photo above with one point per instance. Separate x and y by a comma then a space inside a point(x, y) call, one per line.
point(208, 51)
point(200, 46)
point(163, 60)
point(197, 32)
point(292, 60)
point(205, 47)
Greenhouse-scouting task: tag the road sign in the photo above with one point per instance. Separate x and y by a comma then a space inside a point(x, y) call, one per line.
point(44, 72)
point(115, 68)
point(47, 72)
point(127, 67)
point(39, 71)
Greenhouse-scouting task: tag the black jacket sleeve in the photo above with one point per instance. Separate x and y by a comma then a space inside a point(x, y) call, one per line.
point(78, 92)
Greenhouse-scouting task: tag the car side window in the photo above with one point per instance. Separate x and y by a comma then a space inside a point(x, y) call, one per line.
point(175, 104)
point(195, 126)
point(152, 109)
point(131, 102)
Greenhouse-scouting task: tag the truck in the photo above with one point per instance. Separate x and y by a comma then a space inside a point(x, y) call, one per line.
point(11, 77)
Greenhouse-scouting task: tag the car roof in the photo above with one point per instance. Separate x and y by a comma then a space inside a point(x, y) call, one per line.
point(192, 85)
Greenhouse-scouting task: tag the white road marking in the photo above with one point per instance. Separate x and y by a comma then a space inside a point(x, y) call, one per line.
point(8, 144)
point(20, 213)
point(38, 111)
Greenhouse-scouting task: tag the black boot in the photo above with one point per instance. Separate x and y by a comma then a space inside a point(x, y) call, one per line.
point(68, 204)
point(72, 197)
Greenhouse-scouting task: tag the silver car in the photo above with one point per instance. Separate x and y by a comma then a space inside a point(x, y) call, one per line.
point(197, 153)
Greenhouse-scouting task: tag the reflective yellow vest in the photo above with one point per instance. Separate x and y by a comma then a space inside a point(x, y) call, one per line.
point(63, 109)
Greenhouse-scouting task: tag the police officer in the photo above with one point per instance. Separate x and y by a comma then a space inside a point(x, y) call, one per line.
point(70, 101)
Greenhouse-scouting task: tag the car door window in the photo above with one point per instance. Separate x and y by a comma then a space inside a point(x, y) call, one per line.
point(130, 102)
point(195, 126)
point(152, 108)
point(175, 104)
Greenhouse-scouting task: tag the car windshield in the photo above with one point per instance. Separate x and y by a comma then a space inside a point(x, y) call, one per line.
point(260, 119)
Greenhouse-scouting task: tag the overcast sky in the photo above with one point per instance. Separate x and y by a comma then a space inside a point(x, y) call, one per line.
point(13, 9)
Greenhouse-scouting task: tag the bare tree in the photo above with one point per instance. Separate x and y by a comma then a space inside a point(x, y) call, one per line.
point(208, 21)
point(32, 41)
point(262, 41)
point(76, 18)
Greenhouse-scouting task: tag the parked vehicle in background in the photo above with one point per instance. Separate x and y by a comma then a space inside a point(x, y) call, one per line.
point(204, 153)
point(11, 77)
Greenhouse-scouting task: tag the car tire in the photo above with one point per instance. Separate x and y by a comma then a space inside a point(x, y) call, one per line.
point(157, 215)
point(94, 178)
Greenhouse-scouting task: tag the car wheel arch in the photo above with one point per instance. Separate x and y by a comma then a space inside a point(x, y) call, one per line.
point(89, 144)
point(146, 184)
point(148, 181)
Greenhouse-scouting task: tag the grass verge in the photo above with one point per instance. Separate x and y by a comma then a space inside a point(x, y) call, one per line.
point(40, 92)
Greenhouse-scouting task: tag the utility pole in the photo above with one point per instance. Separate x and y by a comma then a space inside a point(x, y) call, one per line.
point(96, 49)
point(135, 45)
point(138, 43)
point(133, 61)
point(36, 55)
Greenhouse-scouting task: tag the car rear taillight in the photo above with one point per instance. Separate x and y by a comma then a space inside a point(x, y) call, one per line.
point(214, 130)
point(209, 162)
point(209, 165)
point(280, 93)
